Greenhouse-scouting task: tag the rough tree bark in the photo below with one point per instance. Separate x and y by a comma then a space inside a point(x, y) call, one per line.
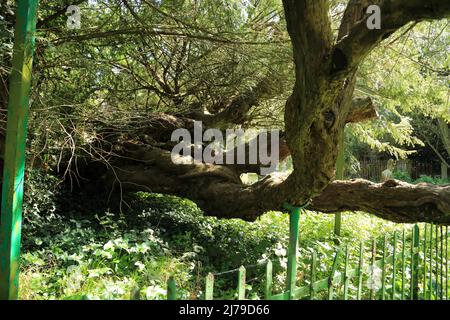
point(315, 114)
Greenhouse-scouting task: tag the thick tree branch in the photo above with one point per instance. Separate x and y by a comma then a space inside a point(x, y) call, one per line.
point(152, 32)
point(360, 40)
point(353, 13)
point(219, 192)
point(393, 200)
point(311, 113)
point(236, 112)
point(362, 109)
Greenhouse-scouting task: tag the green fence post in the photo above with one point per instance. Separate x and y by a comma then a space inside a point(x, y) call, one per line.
point(171, 289)
point(313, 275)
point(415, 263)
point(241, 283)
point(394, 265)
point(442, 264)
point(430, 296)
point(436, 262)
point(269, 279)
point(135, 293)
point(209, 287)
point(360, 270)
point(332, 274)
point(403, 263)
point(294, 219)
point(372, 271)
point(446, 262)
point(425, 237)
point(383, 269)
point(337, 224)
point(14, 165)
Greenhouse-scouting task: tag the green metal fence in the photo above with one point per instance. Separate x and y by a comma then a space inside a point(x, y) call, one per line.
point(410, 265)
point(15, 142)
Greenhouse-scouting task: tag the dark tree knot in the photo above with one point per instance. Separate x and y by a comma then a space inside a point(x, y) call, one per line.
point(330, 118)
point(339, 61)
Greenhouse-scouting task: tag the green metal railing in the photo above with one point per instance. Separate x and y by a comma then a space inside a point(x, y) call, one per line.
point(413, 266)
point(16, 131)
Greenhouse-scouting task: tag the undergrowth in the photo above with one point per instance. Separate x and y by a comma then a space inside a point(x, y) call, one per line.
point(77, 247)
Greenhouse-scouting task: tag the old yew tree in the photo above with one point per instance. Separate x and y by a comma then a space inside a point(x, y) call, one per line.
point(108, 96)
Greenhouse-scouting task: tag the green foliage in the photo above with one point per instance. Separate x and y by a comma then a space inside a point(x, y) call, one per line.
point(408, 81)
point(404, 176)
point(246, 241)
point(40, 194)
point(101, 258)
point(107, 255)
point(116, 77)
point(432, 180)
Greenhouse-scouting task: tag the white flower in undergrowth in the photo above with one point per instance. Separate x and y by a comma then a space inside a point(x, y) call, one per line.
point(140, 265)
point(283, 263)
point(115, 289)
point(280, 251)
point(155, 292)
point(263, 259)
point(280, 278)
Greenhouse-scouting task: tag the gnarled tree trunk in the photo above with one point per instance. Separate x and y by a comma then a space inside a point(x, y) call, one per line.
point(317, 111)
